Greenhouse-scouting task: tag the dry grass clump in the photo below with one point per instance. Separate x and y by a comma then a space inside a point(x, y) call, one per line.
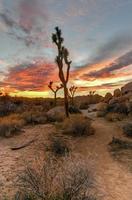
point(121, 151)
point(117, 143)
point(58, 147)
point(74, 110)
point(10, 124)
point(127, 129)
point(68, 179)
point(34, 117)
point(113, 117)
point(77, 125)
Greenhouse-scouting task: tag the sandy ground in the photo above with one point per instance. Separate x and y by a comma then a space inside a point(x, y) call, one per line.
point(11, 162)
point(114, 180)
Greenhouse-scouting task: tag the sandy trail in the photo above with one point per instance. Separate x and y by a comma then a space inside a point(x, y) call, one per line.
point(113, 179)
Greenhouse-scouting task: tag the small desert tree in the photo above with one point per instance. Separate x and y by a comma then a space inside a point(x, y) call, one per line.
point(91, 93)
point(62, 60)
point(72, 91)
point(55, 90)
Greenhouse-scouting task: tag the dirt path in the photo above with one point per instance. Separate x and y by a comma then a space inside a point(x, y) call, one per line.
point(113, 179)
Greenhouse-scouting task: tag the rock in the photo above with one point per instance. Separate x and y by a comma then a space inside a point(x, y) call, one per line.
point(56, 114)
point(127, 88)
point(102, 106)
point(108, 97)
point(117, 93)
point(113, 100)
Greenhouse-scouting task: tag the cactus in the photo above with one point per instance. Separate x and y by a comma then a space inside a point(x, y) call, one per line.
point(72, 91)
point(55, 90)
point(62, 60)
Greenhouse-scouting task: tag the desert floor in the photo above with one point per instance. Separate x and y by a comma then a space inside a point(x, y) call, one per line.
point(113, 178)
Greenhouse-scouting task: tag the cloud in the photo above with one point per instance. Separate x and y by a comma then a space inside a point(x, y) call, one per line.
point(7, 19)
point(30, 12)
point(30, 76)
point(107, 71)
point(120, 42)
point(29, 21)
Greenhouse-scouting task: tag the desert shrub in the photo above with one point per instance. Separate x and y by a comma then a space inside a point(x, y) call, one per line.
point(84, 105)
point(127, 129)
point(117, 143)
point(10, 125)
point(114, 117)
point(67, 180)
point(74, 110)
point(118, 108)
point(58, 147)
point(7, 108)
point(77, 125)
point(33, 117)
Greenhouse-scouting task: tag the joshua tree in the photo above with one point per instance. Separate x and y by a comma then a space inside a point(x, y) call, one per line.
point(62, 60)
point(91, 93)
point(54, 90)
point(72, 91)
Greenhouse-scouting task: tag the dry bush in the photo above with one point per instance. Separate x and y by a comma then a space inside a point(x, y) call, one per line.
point(10, 125)
point(117, 143)
point(127, 129)
point(77, 125)
point(34, 117)
point(113, 117)
point(74, 110)
point(84, 105)
point(58, 147)
point(68, 179)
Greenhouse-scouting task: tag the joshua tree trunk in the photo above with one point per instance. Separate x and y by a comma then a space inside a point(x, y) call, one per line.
point(66, 101)
point(72, 101)
point(55, 98)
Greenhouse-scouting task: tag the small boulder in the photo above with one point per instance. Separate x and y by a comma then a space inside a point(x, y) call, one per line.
point(56, 114)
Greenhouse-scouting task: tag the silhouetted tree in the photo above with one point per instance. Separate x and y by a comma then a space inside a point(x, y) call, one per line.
point(55, 90)
point(72, 91)
point(91, 93)
point(62, 60)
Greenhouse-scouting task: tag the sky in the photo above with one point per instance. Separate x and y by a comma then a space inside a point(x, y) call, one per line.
point(97, 33)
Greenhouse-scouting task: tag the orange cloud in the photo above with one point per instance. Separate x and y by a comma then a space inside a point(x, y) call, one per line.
point(30, 77)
